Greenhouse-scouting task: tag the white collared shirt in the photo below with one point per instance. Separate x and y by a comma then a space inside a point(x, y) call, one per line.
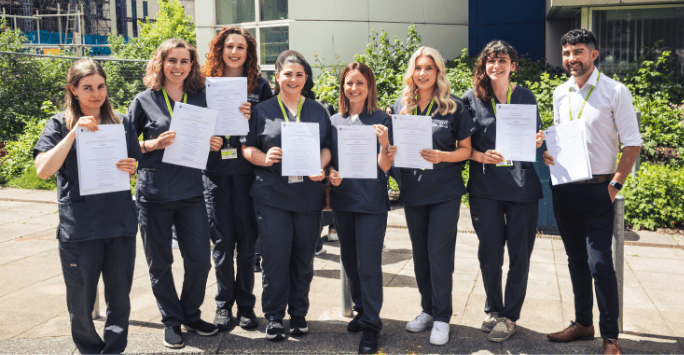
point(608, 116)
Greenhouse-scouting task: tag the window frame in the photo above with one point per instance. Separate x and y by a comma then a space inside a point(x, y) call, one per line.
point(255, 27)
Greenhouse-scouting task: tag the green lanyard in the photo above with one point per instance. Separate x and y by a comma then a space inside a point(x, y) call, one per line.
point(168, 104)
point(299, 109)
point(585, 100)
point(415, 110)
point(508, 100)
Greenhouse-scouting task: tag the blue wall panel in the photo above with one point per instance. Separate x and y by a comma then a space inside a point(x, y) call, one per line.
point(521, 23)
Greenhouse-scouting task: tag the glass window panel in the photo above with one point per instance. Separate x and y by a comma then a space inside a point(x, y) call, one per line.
point(273, 10)
point(234, 11)
point(623, 34)
point(274, 40)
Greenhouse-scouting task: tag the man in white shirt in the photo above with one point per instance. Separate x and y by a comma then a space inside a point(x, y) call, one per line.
point(584, 210)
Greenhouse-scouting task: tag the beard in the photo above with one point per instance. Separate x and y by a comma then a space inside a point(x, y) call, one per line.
point(583, 69)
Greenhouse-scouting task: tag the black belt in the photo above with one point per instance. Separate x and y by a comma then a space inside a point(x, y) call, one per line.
point(596, 179)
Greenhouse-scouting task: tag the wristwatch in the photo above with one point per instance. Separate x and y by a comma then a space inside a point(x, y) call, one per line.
point(616, 185)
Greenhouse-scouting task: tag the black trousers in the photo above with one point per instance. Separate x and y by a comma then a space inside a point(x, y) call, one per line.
point(361, 237)
point(233, 225)
point(432, 229)
point(82, 264)
point(518, 231)
point(288, 243)
point(585, 213)
point(192, 229)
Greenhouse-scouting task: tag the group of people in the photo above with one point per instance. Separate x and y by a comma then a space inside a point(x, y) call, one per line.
point(242, 195)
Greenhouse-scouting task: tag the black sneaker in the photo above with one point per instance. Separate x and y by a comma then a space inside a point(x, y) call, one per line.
point(223, 319)
point(275, 330)
point(354, 326)
point(298, 325)
point(173, 337)
point(201, 328)
point(369, 342)
point(257, 265)
point(246, 317)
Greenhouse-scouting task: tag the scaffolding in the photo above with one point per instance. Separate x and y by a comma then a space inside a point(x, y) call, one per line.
point(94, 15)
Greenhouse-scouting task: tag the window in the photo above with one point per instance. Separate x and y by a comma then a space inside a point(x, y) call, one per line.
point(266, 19)
point(121, 24)
point(145, 9)
point(623, 33)
point(134, 18)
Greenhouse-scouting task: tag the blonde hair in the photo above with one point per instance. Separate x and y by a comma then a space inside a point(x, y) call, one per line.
point(72, 108)
point(409, 96)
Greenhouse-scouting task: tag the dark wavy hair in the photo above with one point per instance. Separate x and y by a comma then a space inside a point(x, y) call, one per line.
point(580, 35)
point(72, 109)
point(481, 83)
point(371, 103)
point(214, 64)
point(290, 56)
point(154, 73)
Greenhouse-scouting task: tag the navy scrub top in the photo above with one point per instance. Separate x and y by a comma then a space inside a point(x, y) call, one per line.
point(157, 181)
point(444, 182)
point(270, 188)
point(518, 183)
point(360, 195)
point(239, 165)
point(94, 216)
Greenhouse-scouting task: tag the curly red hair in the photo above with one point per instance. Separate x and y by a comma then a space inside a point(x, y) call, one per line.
point(214, 64)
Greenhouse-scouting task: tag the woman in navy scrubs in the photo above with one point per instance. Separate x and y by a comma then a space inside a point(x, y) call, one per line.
point(227, 181)
point(96, 232)
point(360, 205)
point(170, 194)
point(503, 194)
point(432, 198)
point(288, 208)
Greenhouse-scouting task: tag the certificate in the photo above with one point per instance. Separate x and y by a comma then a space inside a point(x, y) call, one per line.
point(516, 129)
point(568, 147)
point(411, 135)
point(226, 95)
point(357, 152)
point(194, 127)
point(97, 154)
point(301, 149)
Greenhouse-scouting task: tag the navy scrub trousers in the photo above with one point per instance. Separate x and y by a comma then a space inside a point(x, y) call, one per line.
point(192, 228)
point(82, 264)
point(361, 237)
point(518, 230)
point(231, 220)
point(584, 213)
point(288, 244)
point(432, 229)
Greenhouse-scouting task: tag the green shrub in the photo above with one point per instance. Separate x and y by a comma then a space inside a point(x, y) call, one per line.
point(654, 198)
point(19, 156)
point(29, 180)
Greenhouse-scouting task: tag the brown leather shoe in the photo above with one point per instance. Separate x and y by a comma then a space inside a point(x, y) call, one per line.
point(575, 331)
point(611, 346)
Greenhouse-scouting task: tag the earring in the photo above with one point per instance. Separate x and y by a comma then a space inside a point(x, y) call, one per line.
point(75, 98)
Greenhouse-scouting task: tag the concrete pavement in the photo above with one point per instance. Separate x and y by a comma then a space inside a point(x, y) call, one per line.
point(34, 318)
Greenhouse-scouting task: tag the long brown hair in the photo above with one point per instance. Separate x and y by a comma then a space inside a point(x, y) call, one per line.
point(72, 109)
point(481, 82)
point(371, 103)
point(214, 64)
point(154, 73)
point(441, 94)
point(292, 56)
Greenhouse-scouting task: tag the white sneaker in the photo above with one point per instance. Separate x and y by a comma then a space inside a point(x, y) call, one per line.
point(440, 333)
point(489, 322)
point(332, 236)
point(420, 323)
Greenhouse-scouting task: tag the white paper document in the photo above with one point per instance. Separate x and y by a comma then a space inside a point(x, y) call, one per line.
point(411, 135)
point(357, 152)
point(226, 95)
point(568, 147)
point(194, 127)
point(97, 153)
point(516, 129)
point(301, 144)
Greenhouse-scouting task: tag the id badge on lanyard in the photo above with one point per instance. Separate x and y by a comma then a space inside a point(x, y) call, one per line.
point(294, 179)
point(228, 152)
point(505, 163)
